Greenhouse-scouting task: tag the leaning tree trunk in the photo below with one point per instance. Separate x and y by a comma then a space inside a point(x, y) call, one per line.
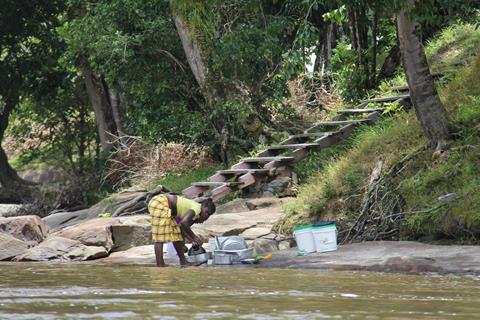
point(117, 102)
point(13, 189)
point(195, 59)
point(202, 74)
point(429, 109)
point(99, 95)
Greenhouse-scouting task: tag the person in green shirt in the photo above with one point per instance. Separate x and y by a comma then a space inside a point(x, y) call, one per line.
point(172, 217)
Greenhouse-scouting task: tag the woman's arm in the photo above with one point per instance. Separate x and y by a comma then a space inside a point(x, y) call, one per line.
point(185, 224)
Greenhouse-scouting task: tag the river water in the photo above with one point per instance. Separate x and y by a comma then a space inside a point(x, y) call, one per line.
point(80, 291)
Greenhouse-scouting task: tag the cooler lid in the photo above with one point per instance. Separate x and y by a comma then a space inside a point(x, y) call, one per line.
point(320, 224)
point(302, 227)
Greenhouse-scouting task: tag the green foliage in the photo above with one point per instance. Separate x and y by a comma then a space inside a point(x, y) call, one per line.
point(121, 41)
point(457, 171)
point(453, 47)
point(176, 182)
point(349, 78)
point(336, 191)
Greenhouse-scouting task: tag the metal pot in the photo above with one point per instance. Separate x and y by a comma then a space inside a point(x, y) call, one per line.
point(198, 258)
point(222, 259)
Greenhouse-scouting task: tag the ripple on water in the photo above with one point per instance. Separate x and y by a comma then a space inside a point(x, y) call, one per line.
point(84, 292)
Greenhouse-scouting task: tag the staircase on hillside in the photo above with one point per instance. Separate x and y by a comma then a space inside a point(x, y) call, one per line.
point(263, 166)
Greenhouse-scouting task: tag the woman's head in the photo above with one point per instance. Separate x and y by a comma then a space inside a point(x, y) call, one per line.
point(208, 208)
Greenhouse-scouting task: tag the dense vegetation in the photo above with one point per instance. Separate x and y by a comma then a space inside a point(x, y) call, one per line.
point(136, 93)
point(437, 192)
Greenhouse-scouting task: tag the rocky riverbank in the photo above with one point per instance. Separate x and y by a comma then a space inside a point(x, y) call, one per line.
point(380, 256)
point(84, 237)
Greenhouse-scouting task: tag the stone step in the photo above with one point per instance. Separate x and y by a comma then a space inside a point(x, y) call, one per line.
point(386, 99)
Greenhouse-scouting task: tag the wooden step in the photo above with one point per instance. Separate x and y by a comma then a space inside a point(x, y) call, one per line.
point(386, 99)
point(293, 146)
point(211, 184)
point(310, 135)
point(296, 137)
point(237, 172)
point(336, 123)
point(356, 111)
point(267, 159)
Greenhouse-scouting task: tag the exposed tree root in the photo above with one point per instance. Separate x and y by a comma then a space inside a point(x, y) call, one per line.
point(380, 218)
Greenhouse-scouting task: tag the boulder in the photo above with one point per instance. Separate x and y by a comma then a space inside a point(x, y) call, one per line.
point(112, 233)
point(262, 246)
point(255, 233)
point(9, 210)
point(279, 187)
point(58, 248)
point(127, 236)
point(96, 232)
point(227, 224)
point(51, 177)
point(136, 255)
point(266, 212)
point(11, 246)
point(234, 206)
point(59, 220)
point(30, 229)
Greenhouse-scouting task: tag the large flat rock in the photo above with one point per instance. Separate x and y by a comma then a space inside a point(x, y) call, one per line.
point(141, 255)
point(263, 213)
point(387, 256)
point(59, 220)
point(30, 229)
point(382, 256)
point(131, 232)
point(58, 248)
point(111, 233)
point(96, 232)
point(9, 210)
point(11, 246)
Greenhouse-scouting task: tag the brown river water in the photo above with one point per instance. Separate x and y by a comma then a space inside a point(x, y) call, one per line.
point(80, 291)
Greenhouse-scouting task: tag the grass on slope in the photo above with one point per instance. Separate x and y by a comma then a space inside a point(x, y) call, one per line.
point(336, 190)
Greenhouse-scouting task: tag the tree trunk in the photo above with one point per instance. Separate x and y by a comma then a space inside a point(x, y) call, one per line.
point(391, 63)
point(13, 189)
point(118, 110)
point(98, 92)
point(324, 52)
point(211, 94)
point(429, 109)
point(193, 52)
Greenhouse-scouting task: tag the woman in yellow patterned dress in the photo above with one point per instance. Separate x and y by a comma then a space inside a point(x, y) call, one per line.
point(172, 217)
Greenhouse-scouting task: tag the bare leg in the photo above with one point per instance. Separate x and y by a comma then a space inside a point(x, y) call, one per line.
point(179, 247)
point(159, 254)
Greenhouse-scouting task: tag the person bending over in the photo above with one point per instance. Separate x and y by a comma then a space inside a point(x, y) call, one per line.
point(172, 217)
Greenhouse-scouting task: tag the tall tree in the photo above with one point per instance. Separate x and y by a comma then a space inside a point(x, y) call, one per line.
point(108, 112)
point(429, 109)
point(27, 45)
